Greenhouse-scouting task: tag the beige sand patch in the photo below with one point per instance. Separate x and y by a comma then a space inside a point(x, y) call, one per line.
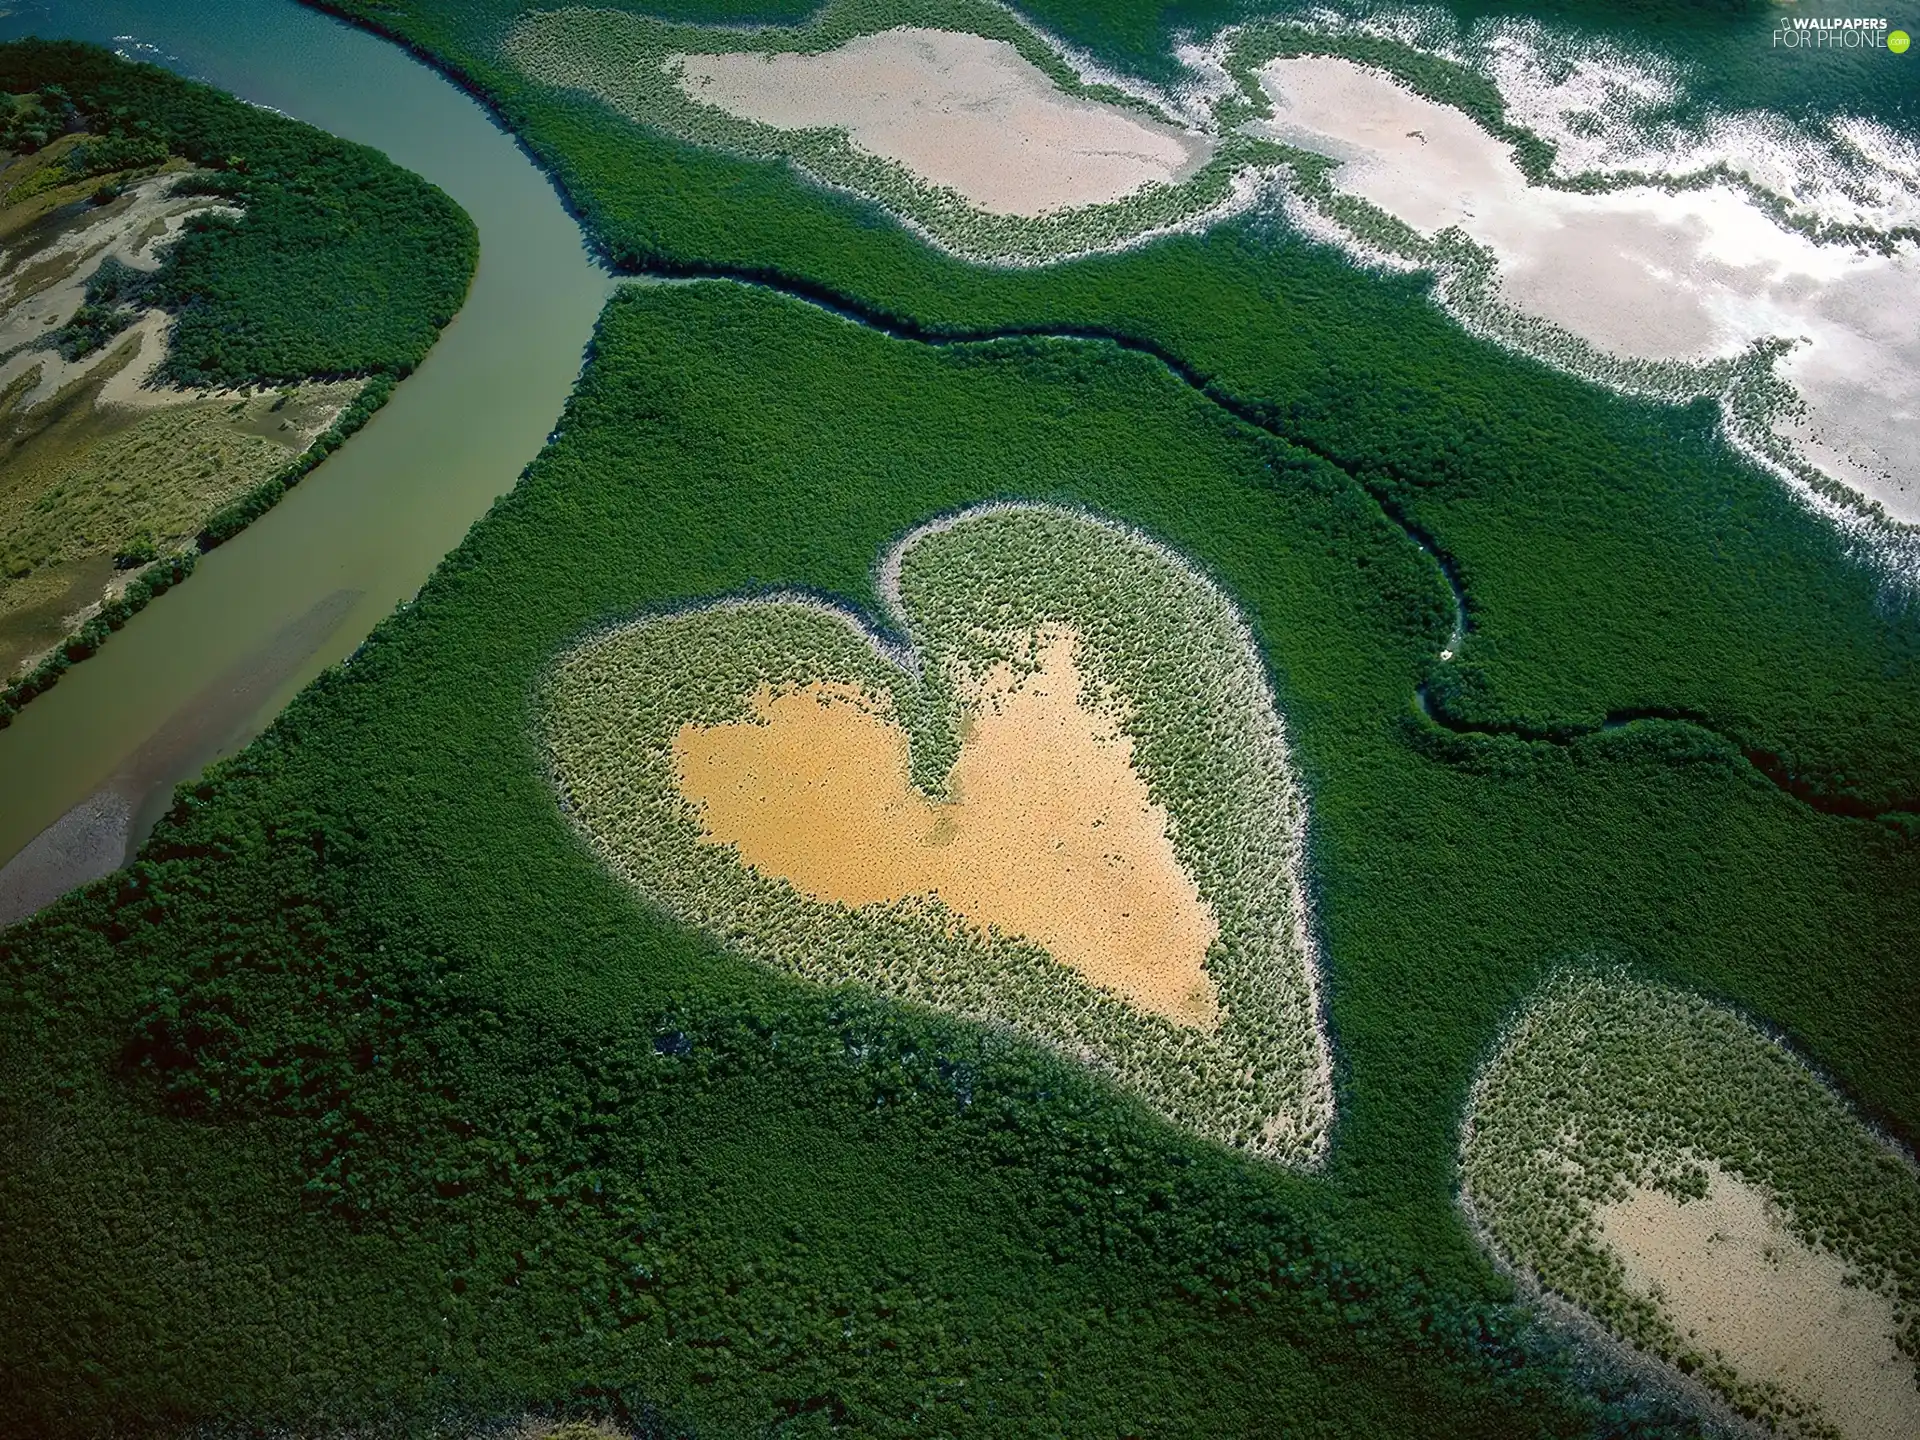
point(1048, 834)
point(1732, 1277)
point(957, 110)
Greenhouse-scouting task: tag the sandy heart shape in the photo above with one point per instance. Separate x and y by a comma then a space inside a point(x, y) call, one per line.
point(1061, 802)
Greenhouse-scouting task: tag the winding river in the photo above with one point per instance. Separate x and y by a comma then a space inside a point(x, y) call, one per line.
point(89, 766)
point(86, 769)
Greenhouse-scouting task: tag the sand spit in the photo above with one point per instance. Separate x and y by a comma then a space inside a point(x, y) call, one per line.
point(1049, 835)
point(87, 842)
point(1731, 1277)
point(1639, 273)
point(959, 111)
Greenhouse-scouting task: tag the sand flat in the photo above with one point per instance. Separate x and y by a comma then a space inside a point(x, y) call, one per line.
point(1048, 833)
point(38, 295)
point(957, 110)
point(1732, 1277)
point(1639, 273)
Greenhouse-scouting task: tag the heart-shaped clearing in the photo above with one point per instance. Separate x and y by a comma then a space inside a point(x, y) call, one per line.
point(1049, 833)
point(1067, 809)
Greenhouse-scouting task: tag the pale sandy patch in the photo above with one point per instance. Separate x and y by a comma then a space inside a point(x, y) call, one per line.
point(1639, 273)
point(1732, 1277)
point(43, 285)
point(957, 110)
point(1048, 834)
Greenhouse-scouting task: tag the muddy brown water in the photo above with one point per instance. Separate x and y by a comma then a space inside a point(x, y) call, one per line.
point(93, 838)
point(207, 666)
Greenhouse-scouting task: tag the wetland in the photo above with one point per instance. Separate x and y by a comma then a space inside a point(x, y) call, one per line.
point(561, 1016)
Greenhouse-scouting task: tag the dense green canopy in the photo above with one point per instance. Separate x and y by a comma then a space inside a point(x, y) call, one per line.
point(366, 1094)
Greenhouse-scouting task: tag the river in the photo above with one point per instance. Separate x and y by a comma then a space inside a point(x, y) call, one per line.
point(89, 766)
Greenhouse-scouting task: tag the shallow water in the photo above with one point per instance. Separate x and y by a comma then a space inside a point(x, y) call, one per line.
point(370, 523)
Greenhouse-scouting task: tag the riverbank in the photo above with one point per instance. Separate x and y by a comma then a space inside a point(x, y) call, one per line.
point(384, 509)
point(147, 284)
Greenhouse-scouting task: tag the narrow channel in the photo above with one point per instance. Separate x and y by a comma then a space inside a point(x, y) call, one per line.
point(207, 666)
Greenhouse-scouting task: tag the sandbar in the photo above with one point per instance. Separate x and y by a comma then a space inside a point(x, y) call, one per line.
point(89, 841)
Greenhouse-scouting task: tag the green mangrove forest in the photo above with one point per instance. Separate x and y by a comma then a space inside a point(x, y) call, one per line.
point(367, 1099)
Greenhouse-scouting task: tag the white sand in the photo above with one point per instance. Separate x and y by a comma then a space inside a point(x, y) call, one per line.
point(1640, 273)
point(956, 110)
point(1730, 1276)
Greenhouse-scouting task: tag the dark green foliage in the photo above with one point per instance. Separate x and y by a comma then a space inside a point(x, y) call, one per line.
point(435, 1120)
point(26, 123)
point(91, 327)
point(342, 263)
point(139, 551)
point(108, 154)
point(411, 1042)
point(117, 283)
point(114, 298)
point(505, 1134)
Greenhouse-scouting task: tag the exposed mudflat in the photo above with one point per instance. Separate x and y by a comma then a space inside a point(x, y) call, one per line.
point(87, 842)
point(44, 274)
point(1732, 1277)
point(1048, 833)
point(959, 111)
point(1639, 272)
